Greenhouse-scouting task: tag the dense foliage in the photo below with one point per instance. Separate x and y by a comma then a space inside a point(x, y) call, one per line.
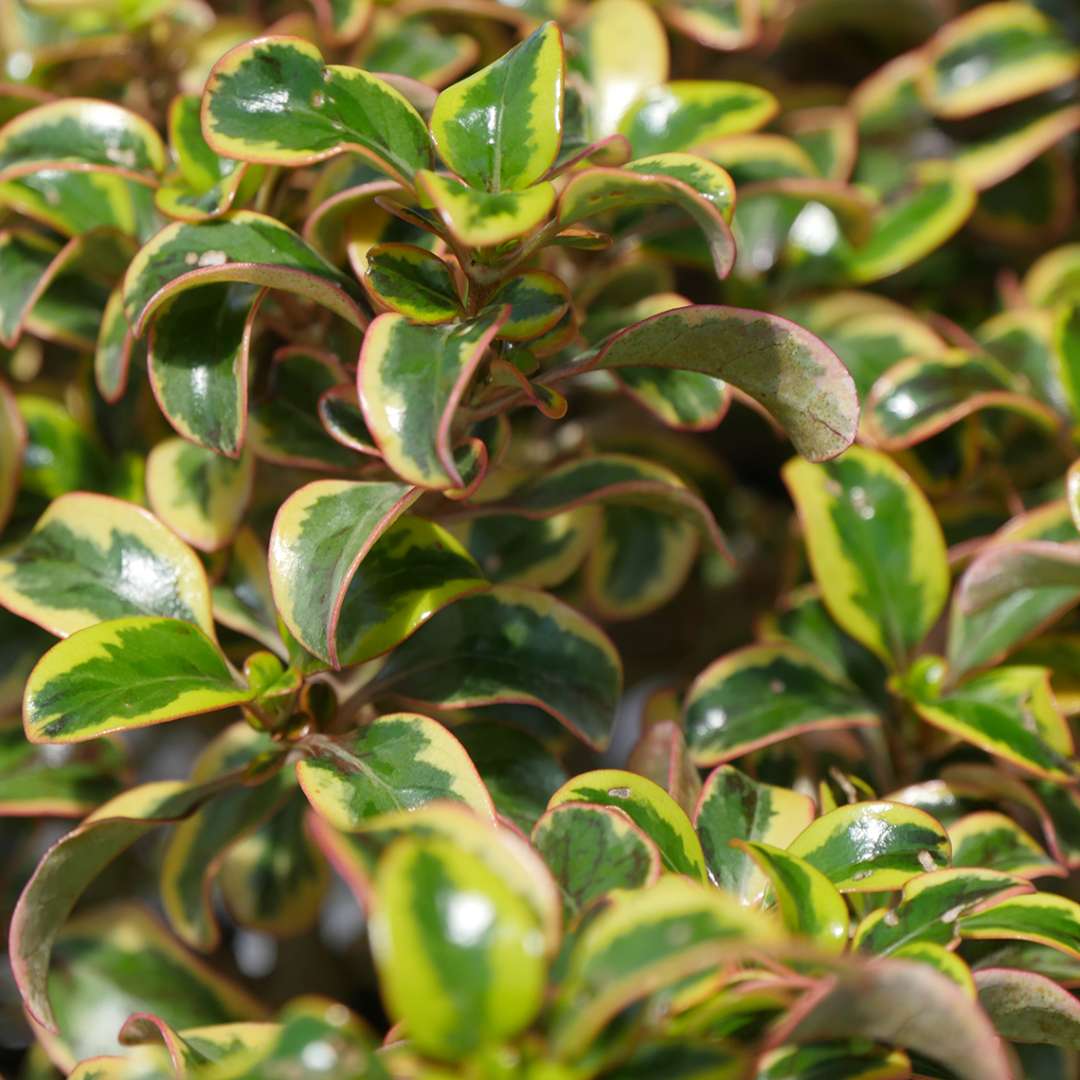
point(363, 374)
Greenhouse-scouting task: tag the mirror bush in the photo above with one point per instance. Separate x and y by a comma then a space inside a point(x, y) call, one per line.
point(539, 539)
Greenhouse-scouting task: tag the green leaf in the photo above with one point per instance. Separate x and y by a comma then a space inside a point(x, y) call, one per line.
point(518, 771)
point(794, 375)
point(126, 673)
point(829, 136)
point(418, 49)
point(1008, 712)
point(764, 694)
point(242, 599)
point(200, 495)
point(485, 219)
point(113, 350)
point(398, 762)
point(900, 1002)
point(930, 906)
point(733, 806)
point(649, 807)
point(995, 55)
point(500, 128)
point(59, 455)
point(119, 960)
point(643, 941)
point(1022, 341)
point(876, 549)
point(91, 557)
point(993, 840)
point(537, 301)
point(411, 379)
point(915, 223)
point(343, 420)
point(704, 190)
point(203, 184)
point(977, 639)
point(413, 282)
point(512, 645)
point(80, 132)
point(286, 426)
point(74, 861)
point(717, 24)
point(13, 439)
point(835, 1060)
point(1029, 1008)
point(275, 880)
point(611, 479)
point(34, 787)
point(1040, 917)
point(640, 560)
point(808, 901)
point(197, 845)
point(321, 535)
point(447, 921)
point(873, 846)
point(918, 398)
point(624, 51)
point(592, 850)
point(1054, 277)
point(27, 265)
point(273, 100)
point(682, 115)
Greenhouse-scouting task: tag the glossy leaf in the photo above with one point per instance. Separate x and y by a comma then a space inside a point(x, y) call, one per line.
point(872, 846)
point(625, 53)
point(682, 115)
point(273, 100)
point(918, 398)
point(126, 673)
point(649, 807)
point(244, 248)
point(993, 840)
point(734, 806)
point(537, 301)
point(79, 132)
point(1040, 917)
point(91, 557)
point(321, 534)
point(808, 901)
point(592, 850)
point(485, 219)
point(875, 547)
point(399, 762)
point(643, 941)
point(763, 694)
point(544, 653)
point(200, 495)
point(854, 1060)
point(411, 379)
point(500, 128)
point(1008, 712)
point(447, 920)
point(914, 224)
point(994, 55)
point(979, 638)
point(697, 186)
point(930, 906)
point(413, 282)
